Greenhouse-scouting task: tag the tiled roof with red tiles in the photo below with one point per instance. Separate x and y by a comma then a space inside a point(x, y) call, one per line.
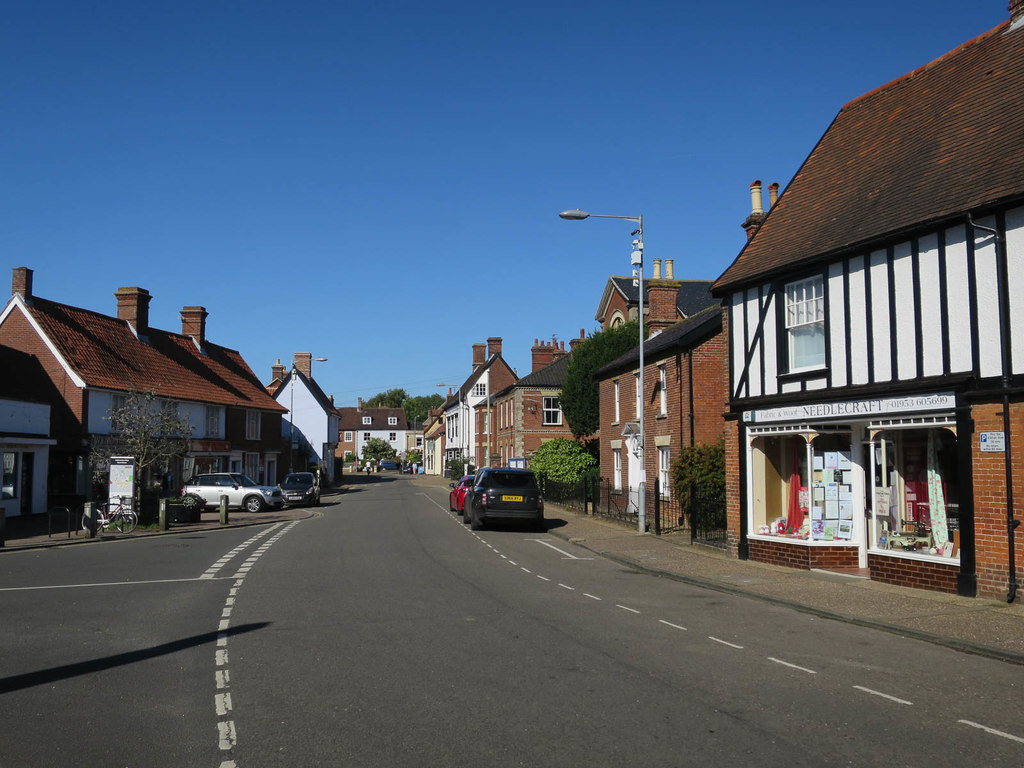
point(945, 139)
point(351, 419)
point(106, 354)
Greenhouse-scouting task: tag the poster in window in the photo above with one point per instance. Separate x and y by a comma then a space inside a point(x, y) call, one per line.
point(845, 529)
point(845, 510)
point(843, 460)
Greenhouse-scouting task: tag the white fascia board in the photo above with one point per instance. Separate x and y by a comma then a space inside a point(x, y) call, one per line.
point(17, 301)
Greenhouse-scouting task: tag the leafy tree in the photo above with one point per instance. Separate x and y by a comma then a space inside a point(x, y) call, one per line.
point(146, 428)
point(393, 398)
point(580, 396)
point(377, 449)
point(699, 469)
point(456, 469)
point(416, 408)
point(562, 460)
point(414, 456)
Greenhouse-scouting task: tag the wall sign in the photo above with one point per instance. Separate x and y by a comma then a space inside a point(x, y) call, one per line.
point(992, 442)
point(853, 409)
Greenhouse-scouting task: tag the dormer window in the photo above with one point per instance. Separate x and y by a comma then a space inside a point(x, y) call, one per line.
point(479, 390)
point(392, 420)
point(367, 419)
point(805, 324)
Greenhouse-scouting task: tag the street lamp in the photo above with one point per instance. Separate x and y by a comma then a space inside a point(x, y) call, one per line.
point(637, 261)
point(291, 411)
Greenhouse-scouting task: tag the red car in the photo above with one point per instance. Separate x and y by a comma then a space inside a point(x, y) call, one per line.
point(457, 497)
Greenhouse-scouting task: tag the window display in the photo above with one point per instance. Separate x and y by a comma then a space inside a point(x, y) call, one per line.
point(916, 493)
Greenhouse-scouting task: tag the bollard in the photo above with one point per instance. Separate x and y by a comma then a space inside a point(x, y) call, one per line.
point(223, 510)
point(163, 515)
point(90, 527)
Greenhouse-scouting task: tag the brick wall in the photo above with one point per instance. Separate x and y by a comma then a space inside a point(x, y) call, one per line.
point(803, 557)
point(989, 475)
point(920, 574)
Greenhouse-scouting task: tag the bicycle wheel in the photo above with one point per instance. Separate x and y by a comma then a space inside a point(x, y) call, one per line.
point(98, 517)
point(125, 521)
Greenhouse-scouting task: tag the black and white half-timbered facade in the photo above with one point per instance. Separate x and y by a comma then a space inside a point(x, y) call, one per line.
point(876, 327)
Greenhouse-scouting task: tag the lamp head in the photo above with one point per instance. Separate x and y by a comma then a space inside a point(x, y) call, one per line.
point(574, 215)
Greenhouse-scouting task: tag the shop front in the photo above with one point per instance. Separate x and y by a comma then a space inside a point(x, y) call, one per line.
point(867, 485)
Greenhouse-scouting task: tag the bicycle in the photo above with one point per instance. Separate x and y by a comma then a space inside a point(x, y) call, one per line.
point(112, 515)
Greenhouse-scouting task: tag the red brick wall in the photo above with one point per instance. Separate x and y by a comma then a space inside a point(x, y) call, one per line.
point(802, 556)
point(921, 574)
point(989, 474)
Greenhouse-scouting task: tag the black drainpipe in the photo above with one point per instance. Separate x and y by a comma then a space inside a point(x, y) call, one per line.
point(1006, 362)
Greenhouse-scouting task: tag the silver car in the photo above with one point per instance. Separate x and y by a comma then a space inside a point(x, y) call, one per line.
point(242, 492)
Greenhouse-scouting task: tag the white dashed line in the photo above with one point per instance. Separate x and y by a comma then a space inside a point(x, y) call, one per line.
point(723, 642)
point(670, 624)
point(884, 695)
point(566, 586)
point(792, 666)
point(592, 597)
point(993, 731)
point(627, 608)
point(228, 737)
point(544, 578)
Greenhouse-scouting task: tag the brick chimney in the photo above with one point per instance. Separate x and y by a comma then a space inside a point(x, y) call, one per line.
point(193, 323)
point(277, 371)
point(303, 362)
point(661, 299)
point(133, 306)
point(493, 346)
point(757, 214)
point(573, 343)
point(359, 405)
point(21, 283)
point(544, 354)
point(478, 355)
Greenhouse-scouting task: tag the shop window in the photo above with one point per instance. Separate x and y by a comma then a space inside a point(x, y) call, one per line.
point(916, 505)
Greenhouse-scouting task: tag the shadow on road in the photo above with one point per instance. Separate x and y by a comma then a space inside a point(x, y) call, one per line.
point(44, 676)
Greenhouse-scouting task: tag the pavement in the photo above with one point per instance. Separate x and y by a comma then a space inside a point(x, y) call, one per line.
point(981, 626)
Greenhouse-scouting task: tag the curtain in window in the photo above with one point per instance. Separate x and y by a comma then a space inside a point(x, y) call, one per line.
point(795, 517)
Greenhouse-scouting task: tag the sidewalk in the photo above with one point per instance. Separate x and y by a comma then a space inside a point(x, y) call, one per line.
point(975, 625)
point(985, 627)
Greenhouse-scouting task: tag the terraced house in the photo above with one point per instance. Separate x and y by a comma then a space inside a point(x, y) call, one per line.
point(95, 361)
point(875, 324)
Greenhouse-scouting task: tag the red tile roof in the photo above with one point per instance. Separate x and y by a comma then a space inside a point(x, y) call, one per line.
point(105, 353)
point(942, 140)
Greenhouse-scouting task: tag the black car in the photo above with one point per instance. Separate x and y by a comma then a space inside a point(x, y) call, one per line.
point(504, 495)
point(301, 488)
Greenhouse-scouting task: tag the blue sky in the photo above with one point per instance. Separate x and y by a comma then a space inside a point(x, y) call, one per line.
point(379, 183)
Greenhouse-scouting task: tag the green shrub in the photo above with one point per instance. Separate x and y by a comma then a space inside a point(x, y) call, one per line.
point(562, 460)
point(699, 469)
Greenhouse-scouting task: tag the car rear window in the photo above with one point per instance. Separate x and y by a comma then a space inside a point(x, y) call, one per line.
point(501, 479)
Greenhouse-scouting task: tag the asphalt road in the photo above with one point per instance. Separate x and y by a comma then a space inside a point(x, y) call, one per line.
point(383, 632)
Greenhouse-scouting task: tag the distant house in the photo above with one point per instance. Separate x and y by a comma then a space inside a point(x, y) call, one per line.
point(621, 298)
point(310, 428)
point(466, 439)
point(357, 426)
point(433, 442)
point(874, 319)
point(25, 423)
point(528, 413)
point(95, 361)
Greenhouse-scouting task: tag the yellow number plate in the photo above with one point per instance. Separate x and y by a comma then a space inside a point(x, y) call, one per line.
point(511, 498)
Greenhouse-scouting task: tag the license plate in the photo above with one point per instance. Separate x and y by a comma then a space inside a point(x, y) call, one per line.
point(511, 498)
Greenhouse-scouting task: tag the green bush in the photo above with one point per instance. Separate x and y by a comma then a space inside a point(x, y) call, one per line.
point(700, 469)
point(562, 460)
point(456, 469)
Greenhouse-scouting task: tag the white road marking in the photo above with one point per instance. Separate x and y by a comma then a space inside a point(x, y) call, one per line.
point(592, 597)
point(526, 569)
point(568, 555)
point(544, 578)
point(627, 608)
point(228, 737)
point(792, 666)
point(993, 731)
point(223, 703)
point(883, 695)
point(222, 658)
point(566, 586)
point(670, 624)
point(723, 642)
point(112, 584)
point(223, 677)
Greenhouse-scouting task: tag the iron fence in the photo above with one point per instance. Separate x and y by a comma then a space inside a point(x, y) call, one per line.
point(708, 524)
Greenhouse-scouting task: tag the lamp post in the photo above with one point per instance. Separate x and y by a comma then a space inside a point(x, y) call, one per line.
point(291, 412)
point(637, 261)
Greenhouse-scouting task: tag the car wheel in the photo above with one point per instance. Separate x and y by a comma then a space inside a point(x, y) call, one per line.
point(541, 526)
point(475, 523)
point(254, 504)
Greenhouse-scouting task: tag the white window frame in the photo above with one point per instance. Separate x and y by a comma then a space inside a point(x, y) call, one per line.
point(662, 390)
point(348, 437)
point(664, 474)
point(551, 413)
point(639, 394)
point(617, 414)
point(392, 420)
point(367, 420)
point(617, 469)
point(253, 425)
point(213, 420)
point(392, 437)
point(805, 312)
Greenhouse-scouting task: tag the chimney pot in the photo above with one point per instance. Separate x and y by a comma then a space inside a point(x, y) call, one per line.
point(755, 197)
point(773, 191)
point(657, 269)
point(669, 271)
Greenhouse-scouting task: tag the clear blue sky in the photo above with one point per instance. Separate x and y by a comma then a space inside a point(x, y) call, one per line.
point(378, 183)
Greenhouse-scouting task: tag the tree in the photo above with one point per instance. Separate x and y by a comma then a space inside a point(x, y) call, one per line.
point(456, 469)
point(416, 408)
point(414, 456)
point(377, 449)
point(580, 393)
point(700, 470)
point(393, 398)
point(149, 430)
point(562, 460)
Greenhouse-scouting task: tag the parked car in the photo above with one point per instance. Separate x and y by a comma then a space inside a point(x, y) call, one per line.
point(388, 464)
point(504, 495)
point(242, 492)
point(457, 496)
point(301, 488)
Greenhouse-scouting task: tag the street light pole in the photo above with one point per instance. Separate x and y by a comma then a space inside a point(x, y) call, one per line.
point(637, 262)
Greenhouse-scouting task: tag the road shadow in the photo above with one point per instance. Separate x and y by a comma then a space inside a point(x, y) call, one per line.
point(46, 676)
